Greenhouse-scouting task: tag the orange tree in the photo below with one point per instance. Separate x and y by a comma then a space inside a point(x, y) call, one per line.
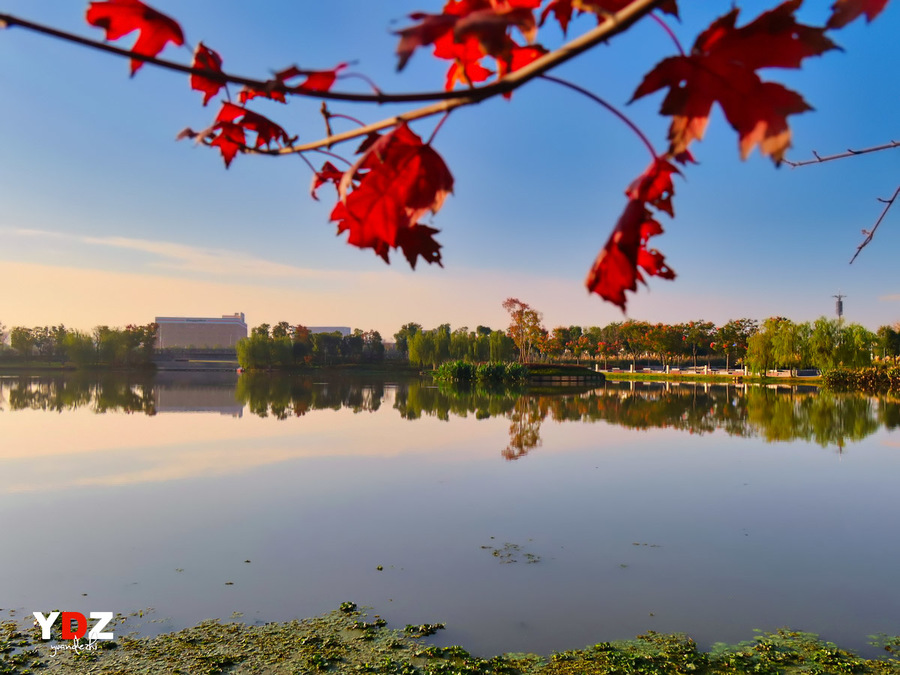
point(493, 47)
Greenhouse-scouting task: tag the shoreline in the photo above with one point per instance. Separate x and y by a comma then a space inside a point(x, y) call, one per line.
point(347, 640)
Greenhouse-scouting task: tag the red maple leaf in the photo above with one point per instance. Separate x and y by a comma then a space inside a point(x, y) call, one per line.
point(206, 58)
point(418, 240)
point(845, 11)
point(519, 57)
point(563, 9)
point(392, 185)
point(466, 32)
point(654, 186)
point(229, 140)
point(491, 27)
point(247, 94)
point(722, 68)
point(329, 173)
point(120, 17)
point(618, 266)
point(267, 131)
point(316, 80)
point(228, 131)
point(430, 28)
point(466, 55)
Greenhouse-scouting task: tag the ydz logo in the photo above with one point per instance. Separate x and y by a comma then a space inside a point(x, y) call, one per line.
point(77, 618)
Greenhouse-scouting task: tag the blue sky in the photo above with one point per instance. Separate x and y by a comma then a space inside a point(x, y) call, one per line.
point(105, 219)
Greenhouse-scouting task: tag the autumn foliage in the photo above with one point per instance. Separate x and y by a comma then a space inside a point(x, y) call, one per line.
point(491, 47)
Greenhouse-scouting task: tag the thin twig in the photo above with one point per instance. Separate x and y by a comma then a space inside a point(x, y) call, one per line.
point(333, 155)
point(818, 159)
point(437, 128)
point(669, 32)
point(871, 233)
point(615, 111)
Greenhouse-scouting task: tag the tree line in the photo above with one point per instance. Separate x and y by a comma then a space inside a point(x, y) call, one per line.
point(284, 346)
point(824, 344)
point(119, 347)
point(441, 344)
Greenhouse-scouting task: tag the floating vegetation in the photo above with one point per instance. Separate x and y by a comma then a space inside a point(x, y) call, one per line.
point(345, 642)
point(423, 629)
point(511, 553)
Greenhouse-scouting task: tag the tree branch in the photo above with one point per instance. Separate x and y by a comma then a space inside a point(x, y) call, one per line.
point(613, 24)
point(850, 153)
point(871, 233)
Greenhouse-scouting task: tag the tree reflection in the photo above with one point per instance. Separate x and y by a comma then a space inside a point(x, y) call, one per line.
point(774, 414)
point(525, 427)
point(101, 394)
point(283, 396)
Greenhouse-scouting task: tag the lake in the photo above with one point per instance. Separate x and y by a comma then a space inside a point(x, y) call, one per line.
point(533, 520)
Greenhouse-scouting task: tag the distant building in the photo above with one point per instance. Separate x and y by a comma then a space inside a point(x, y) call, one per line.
point(197, 332)
point(343, 330)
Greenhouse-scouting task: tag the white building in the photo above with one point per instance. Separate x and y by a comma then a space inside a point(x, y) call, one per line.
point(200, 332)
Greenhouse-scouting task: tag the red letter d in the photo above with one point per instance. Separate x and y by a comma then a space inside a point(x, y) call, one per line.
point(67, 618)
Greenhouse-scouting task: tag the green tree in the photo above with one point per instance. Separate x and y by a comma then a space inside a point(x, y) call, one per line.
point(402, 336)
point(442, 343)
point(326, 347)
point(421, 348)
point(282, 329)
point(253, 352)
point(888, 342)
point(857, 343)
point(460, 344)
point(22, 340)
point(760, 351)
point(352, 347)
point(790, 343)
point(373, 346)
point(824, 343)
point(502, 347)
point(79, 349)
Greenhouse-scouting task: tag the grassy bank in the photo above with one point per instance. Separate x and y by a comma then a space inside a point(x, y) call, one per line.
point(348, 641)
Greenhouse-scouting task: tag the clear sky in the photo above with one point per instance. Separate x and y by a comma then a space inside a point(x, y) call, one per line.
point(104, 218)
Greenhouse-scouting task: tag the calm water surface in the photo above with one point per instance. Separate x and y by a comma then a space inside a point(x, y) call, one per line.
point(533, 521)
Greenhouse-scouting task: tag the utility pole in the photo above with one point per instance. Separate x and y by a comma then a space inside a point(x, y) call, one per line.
point(839, 305)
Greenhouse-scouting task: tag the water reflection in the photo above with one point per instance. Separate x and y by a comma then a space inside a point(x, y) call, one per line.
point(774, 414)
point(355, 488)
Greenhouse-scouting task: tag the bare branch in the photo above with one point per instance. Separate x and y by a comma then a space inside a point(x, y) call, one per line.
point(871, 233)
point(850, 153)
